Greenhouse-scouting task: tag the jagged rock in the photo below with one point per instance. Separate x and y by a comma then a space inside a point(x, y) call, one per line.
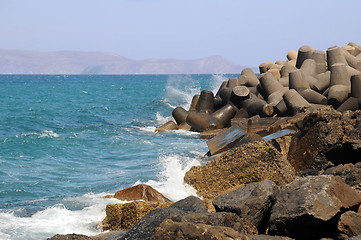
point(308, 208)
point(124, 216)
point(326, 137)
point(187, 230)
point(145, 227)
point(267, 237)
point(282, 143)
point(225, 219)
point(113, 235)
point(350, 173)
point(252, 202)
point(70, 237)
point(349, 225)
point(141, 192)
point(251, 162)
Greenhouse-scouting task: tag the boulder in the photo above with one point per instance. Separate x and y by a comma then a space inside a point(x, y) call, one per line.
point(349, 225)
point(350, 173)
point(141, 192)
point(225, 219)
point(70, 237)
point(124, 216)
point(252, 202)
point(309, 207)
point(326, 137)
point(267, 237)
point(145, 227)
point(251, 162)
point(187, 230)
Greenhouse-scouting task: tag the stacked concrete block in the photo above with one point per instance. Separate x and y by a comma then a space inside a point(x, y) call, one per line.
point(309, 78)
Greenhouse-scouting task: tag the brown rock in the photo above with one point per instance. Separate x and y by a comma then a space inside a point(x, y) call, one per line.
point(70, 237)
point(349, 225)
point(326, 137)
point(186, 230)
point(141, 192)
point(124, 216)
point(311, 203)
point(251, 162)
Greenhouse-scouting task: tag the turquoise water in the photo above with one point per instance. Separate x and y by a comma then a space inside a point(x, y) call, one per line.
point(68, 140)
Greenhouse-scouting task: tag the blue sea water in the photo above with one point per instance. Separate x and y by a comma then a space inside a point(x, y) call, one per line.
point(68, 140)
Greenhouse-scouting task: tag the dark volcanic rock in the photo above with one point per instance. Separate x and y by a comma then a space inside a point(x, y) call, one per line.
point(349, 225)
point(145, 227)
point(308, 208)
point(251, 162)
point(267, 237)
point(203, 226)
point(252, 202)
point(326, 137)
point(225, 219)
point(187, 230)
point(350, 173)
point(70, 237)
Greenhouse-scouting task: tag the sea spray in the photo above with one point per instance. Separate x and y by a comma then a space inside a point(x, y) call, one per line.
point(58, 219)
point(170, 180)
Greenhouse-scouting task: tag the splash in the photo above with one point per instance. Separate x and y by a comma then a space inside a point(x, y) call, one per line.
point(58, 219)
point(171, 178)
point(218, 79)
point(180, 91)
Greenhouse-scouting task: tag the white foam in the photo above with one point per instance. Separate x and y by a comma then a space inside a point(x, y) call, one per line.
point(57, 219)
point(47, 133)
point(180, 91)
point(170, 181)
point(42, 134)
point(161, 119)
point(147, 129)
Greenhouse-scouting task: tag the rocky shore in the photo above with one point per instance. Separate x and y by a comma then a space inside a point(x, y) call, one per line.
point(284, 158)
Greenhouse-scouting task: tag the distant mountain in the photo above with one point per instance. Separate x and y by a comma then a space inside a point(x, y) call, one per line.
point(73, 62)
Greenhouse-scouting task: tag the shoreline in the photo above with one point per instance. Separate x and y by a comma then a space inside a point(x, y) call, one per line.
point(301, 184)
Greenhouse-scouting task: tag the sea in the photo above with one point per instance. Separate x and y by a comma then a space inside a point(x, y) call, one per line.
point(66, 141)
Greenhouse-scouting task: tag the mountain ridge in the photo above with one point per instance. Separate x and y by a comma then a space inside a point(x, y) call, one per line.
point(78, 62)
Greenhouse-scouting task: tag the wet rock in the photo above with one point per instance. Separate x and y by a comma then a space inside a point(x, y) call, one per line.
point(113, 235)
point(313, 203)
point(186, 230)
point(251, 162)
point(326, 137)
point(167, 126)
point(349, 225)
point(124, 216)
point(141, 192)
point(252, 202)
point(145, 227)
point(70, 237)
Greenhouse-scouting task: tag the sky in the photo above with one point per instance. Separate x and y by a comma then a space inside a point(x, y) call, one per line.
point(245, 32)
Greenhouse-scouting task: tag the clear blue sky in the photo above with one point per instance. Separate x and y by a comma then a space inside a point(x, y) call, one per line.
point(245, 32)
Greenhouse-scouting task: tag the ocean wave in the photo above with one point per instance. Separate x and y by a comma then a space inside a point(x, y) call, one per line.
point(42, 134)
point(58, 219)
point(170, 180)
